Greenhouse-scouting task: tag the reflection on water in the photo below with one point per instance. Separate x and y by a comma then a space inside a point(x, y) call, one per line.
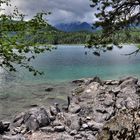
point(20, 90)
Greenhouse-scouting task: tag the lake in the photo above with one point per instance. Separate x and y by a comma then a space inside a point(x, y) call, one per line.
point(21, 90)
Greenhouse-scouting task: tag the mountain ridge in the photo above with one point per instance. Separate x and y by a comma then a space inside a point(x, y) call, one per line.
point(74, 27)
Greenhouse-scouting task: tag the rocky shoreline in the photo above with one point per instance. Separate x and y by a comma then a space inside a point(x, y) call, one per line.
point(96, 110)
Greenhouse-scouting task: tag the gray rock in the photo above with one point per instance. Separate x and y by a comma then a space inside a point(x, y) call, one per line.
point(95, 79)
point(128, 97)
point(138, 83)
point(92, 88)
point(85, 126)
point(120, 126)
point(47, 129)
point(52, 118)
point(108, 110)
point(59, 128)
point(80, 81)
point(100, 117)
point(101, 109)
point(6, 124)
point(32, 123)
point(94, 125)
point(16, 137)
point(74, 108)
point(35, 118)
point(87, 135)
point(111, 82)
point(88, 118)
point(129, 90)
point(116, 90)
point(72, 121)
point(83, 133)
point(128, 81)
point(23, 129)
point(78, 136)
point(64, 136)
point(109, 100)
point(120, 103)
point(17, 130)
point(131, 103)
point(56, 123)
point(73, 132)
point(4, 127)
point(78, 90)
point(91, 137)
point(114, 82)
point(53, 110)
point(67, 129)
point(108, 82)
point(49, 89)
point(19, 118)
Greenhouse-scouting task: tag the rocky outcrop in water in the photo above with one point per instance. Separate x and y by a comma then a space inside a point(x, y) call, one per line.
point(96, 110)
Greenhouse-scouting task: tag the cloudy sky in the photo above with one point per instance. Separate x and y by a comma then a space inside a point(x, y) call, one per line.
point(63, 11)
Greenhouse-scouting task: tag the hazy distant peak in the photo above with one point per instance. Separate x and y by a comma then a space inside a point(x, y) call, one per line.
point(74, 27)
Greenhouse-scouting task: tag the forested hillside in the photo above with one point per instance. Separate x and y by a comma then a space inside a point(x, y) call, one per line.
point(52, 35)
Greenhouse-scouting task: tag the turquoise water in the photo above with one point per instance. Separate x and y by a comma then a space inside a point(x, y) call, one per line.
point(70, 62)
point(20, 90)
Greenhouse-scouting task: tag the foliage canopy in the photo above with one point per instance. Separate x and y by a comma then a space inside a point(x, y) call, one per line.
point(17, 38)
point(114, 17)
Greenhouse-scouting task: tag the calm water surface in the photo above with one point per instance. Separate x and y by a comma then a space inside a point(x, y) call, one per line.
point(19, 91)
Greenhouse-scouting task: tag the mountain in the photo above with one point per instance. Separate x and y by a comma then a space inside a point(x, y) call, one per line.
point(74, 27)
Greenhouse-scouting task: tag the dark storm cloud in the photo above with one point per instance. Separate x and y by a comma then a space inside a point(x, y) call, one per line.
point(62, 10)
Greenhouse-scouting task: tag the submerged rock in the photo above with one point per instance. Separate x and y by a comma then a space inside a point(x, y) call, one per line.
point(80, 81)
point(49, 89)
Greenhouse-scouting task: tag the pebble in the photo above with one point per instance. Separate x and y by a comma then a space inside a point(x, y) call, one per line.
point(73, 132)
point(78, 136)
point(59, 128)
point(85, 126)
point(47, 129)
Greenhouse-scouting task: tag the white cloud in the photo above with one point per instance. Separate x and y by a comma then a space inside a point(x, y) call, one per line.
point(62, 10)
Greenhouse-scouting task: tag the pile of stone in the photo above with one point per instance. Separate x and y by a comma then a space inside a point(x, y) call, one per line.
point(96, 110)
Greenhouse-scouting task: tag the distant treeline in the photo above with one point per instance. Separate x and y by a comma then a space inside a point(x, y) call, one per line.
point(54, 36)
point(50, 35)
point(132, 36)
point(64, 38)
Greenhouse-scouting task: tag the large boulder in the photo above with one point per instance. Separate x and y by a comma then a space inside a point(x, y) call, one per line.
point(124, 125)
point(33, 119)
